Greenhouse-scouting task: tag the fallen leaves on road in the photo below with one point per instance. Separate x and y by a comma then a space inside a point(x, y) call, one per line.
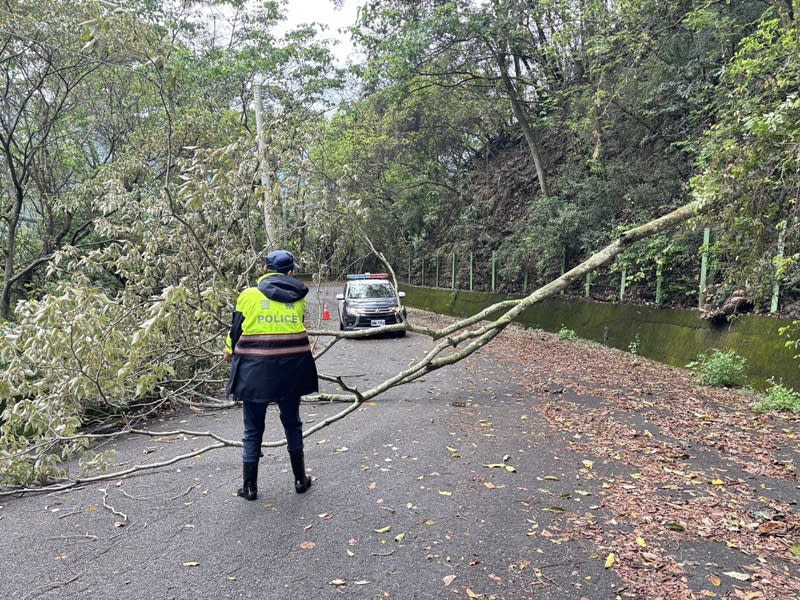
point(508, 468)
point(454, 452)
point(675, 466)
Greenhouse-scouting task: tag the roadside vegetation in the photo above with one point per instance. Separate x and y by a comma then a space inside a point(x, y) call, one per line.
point(728, 369)
point(779, 398)
point(566, 334)
point(141, 188)
point(719, 368)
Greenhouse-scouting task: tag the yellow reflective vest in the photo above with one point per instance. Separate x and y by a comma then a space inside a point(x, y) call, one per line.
point(268, 340)
point(267, 319)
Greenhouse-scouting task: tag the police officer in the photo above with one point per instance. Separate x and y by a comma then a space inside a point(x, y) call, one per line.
point(271, 362)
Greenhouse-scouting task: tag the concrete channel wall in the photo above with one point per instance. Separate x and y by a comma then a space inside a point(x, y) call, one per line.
point(671, 336)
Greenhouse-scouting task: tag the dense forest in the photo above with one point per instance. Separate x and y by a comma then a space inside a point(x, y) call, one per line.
point(141, 188)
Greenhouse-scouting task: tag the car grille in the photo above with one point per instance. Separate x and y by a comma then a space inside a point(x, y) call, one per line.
point(365, 320)
point(377, 312)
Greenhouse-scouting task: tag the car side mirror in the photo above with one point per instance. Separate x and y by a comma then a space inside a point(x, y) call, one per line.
point(401, 294)
point(340, 296)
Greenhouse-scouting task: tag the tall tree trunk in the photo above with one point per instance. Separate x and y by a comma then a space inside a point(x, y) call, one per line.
point(522, 119)
point(266, 180)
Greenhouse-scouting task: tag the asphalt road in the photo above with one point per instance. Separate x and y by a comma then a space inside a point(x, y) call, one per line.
point(403, 504)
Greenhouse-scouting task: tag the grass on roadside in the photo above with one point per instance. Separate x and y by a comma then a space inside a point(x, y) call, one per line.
point(779, 398)
point(717, 368)
point(566, 334)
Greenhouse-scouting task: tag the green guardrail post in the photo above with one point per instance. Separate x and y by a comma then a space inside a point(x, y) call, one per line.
point(471, 271)
point(494, 271)
point(622, 281)
point(659, 280)
point(587, 287)
point(525, 283)
point(776, 288)
point(701, 293)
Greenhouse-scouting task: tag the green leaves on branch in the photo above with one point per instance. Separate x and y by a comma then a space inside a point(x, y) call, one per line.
point(750, 163)
point(80, 357)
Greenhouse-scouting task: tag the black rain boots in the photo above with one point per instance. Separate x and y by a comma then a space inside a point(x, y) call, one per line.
point(301, 481)
point(249, 489)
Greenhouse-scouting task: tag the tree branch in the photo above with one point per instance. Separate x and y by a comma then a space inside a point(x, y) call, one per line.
point(444, 353)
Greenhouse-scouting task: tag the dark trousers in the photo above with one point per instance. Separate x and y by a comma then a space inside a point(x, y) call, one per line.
point(255, 413)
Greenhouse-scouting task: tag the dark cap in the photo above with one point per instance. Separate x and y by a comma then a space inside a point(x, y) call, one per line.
point(281, 261)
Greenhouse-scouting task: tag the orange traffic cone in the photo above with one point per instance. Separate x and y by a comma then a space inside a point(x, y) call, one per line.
point(326, 315)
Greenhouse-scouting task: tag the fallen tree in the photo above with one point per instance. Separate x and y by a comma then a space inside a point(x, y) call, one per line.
point(451, 344)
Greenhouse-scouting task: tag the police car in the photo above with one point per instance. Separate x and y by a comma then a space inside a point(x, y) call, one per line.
point(370, 300)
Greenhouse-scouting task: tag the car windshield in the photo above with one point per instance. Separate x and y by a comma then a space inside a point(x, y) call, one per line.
point(365, 290)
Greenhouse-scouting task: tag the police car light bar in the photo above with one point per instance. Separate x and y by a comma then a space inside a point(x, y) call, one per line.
point(368, 276)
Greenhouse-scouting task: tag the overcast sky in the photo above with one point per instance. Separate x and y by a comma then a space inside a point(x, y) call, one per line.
point(323, 11)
